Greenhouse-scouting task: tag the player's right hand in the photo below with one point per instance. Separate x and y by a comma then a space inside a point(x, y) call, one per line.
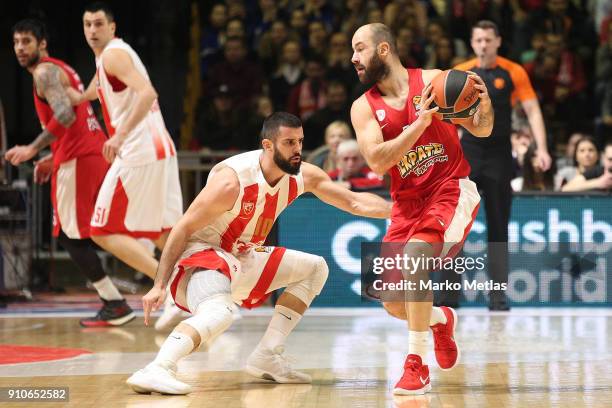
point(425, 114)
point(152, 301)
point(43, 169)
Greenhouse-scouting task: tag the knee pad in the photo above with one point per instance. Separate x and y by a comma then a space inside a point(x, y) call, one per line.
point(212, 317)
point(209, 300)
point(311, 286)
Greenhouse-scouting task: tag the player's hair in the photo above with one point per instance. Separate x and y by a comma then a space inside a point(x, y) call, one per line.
point(272, 124)
point(382, 33)
point(101, 6)
point(486, 25)
point(30, 25)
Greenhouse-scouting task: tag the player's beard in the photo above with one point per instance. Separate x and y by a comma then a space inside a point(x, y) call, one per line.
point(376, 71)
point(32, 60)
point(286, 165)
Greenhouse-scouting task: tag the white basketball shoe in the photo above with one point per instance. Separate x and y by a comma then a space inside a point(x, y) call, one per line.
point(158, 378)
point(273, 365)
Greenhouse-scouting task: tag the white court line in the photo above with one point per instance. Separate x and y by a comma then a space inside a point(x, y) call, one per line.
point(364, 311)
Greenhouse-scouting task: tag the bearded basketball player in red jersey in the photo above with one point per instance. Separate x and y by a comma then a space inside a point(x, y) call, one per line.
point(76, 166)
point(434, 203)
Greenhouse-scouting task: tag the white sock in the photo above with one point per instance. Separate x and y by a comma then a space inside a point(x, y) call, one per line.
point(283, 322)
point(176, 346)
point(107, 290)
point(437, 316)
point(417, 343)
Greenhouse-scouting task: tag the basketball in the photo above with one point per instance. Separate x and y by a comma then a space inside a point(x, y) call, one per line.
point(455, 94)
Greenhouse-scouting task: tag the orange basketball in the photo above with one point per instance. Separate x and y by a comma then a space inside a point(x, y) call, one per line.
point(455, 94)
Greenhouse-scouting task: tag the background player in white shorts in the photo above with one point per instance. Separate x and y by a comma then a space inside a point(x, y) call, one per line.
point(216, 254)
point(140, 196)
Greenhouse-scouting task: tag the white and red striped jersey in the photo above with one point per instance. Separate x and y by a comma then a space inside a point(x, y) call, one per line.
point(149, 140)
point(258, 205)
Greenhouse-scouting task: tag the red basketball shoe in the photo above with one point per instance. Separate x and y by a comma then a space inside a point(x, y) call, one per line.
point(445, 346)
point(415, 379)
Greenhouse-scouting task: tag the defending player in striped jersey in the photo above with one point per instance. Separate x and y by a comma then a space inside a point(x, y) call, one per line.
point(141, 195)
point(215, 258)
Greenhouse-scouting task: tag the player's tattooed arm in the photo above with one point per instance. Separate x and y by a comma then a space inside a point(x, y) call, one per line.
point(49, 84)
point(481, 124)
point(44, 139)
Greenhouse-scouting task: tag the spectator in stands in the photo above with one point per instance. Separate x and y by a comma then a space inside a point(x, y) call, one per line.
point(317, 39)
point(351, 170)
point(409, 48)
point(337, 108)
point(436, 31)
point(603, 87)
point(339, 66)
point(243, 77)
point(319, 10)
point(443, 56)
point(598, 177)
point(521, 140)
point(354, 15)
point(406, 13)
point(325, 156)
point(538, 46)
point(271, 45)
point(235, 28)
point(290, 72)
point(299, 26)
point(310, 94)
point(267, 14)
point(375, 15)
point(567, 160)
point(533, 178)
point(212, 37)
point(586, 156)
point(559, 80)
point(262, 108)
point(219, 125)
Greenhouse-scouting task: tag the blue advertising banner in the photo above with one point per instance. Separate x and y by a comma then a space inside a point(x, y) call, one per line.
point(560, 250)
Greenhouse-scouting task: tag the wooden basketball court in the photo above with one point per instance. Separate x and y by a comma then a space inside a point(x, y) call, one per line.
point(526, 358)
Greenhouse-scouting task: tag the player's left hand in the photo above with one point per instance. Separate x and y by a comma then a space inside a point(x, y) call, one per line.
point(19, 154)
point(485, 100)
point(111, 148)
point(544, 160)
point(152, 301)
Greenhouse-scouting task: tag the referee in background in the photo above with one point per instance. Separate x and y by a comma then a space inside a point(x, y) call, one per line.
point(491, 157)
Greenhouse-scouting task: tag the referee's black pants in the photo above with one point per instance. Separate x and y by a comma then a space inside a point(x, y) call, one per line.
point(492, 171)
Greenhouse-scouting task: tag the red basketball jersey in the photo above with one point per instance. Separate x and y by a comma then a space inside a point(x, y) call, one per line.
point(85, 136)
point(436, 156)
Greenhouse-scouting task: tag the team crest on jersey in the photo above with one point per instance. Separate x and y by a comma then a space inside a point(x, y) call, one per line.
point(248, 208)
point(380, 114)
point(421, 158)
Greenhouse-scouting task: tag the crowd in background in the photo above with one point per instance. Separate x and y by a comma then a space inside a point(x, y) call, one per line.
point(258, 56)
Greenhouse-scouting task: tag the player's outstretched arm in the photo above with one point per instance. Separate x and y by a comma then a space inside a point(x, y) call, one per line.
point(217, 197)
point(318, 182)
point(381, 155)
point(118, 63)
point(481, 124)
point(76, 97)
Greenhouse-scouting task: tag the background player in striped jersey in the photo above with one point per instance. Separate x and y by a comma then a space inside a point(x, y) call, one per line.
point(76, 166)
point(216, 254)
point(141, 194)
